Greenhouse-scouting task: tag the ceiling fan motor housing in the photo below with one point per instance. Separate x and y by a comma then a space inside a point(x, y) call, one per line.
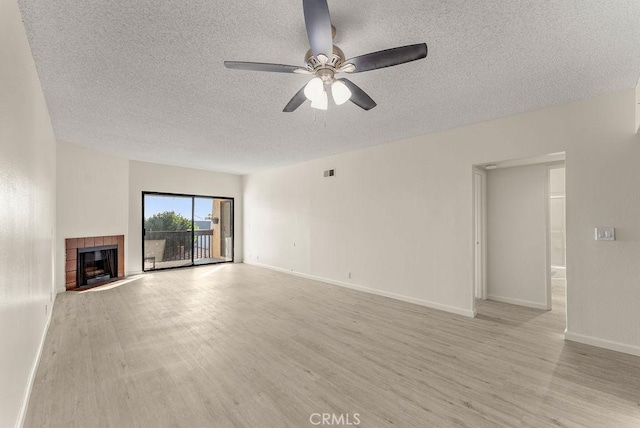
point(319, 62)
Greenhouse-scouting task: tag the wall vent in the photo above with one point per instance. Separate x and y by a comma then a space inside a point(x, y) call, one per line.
point(330, 173)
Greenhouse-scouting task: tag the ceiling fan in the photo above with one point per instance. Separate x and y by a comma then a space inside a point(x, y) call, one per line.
point(325, 60)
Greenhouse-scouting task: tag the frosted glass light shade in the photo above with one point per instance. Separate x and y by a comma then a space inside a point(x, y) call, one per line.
point(314, 89)
point(322, 102)
point(340, 92)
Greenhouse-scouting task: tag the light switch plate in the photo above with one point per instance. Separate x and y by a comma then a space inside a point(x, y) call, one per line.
point(605, 233)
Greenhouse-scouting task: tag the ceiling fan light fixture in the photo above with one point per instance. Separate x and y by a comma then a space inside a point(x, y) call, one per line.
point(341, 94)
point(324, 60)
point(322, 102)
point(314, 89)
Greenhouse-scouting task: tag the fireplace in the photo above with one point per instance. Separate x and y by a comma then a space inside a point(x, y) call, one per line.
point(93, 261)
point(97, 265)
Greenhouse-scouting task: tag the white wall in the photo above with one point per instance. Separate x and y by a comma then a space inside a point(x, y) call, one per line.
point(151, 177)
point(399, 215)
point(517, 235)
point(27, 215)
point(92, 198)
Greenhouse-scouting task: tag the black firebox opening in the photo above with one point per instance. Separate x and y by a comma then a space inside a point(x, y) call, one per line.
point(97, 265)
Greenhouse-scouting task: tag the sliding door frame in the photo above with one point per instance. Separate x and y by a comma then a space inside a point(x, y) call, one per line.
point(193, 200)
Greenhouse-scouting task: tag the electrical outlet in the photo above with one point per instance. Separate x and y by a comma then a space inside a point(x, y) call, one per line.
point(349, 275)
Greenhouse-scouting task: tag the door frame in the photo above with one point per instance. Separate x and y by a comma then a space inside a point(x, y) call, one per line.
point(479, 234)
point(554, 160)
point(233, 240)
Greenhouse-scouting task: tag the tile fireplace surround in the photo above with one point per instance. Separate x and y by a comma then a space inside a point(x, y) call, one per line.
point(71, 249)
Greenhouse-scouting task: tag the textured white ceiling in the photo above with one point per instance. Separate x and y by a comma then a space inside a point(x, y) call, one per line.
point(145, 79)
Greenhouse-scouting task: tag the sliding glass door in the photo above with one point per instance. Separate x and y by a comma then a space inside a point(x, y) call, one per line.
point(186, 230)
point(203, 211)
point(213, 230)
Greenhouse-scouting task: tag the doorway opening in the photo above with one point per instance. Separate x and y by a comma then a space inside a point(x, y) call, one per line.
point(519, 251)
point(185, 230)
point(557, 235)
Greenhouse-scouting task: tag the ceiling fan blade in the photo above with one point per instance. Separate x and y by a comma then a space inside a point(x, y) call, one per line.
point(296, 101)
point(388, 57)
point(318, 22)
point(358, 96)
point(261, 66)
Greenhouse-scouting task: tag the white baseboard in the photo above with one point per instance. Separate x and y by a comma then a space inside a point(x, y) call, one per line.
point(426, 303)
point(602, 343)
point(518, 302)
point(34, 369)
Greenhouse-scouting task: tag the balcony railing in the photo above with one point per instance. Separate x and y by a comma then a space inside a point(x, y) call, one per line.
point(179, 244)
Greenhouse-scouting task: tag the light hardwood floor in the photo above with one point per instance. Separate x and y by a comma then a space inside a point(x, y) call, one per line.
point(237, 345)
